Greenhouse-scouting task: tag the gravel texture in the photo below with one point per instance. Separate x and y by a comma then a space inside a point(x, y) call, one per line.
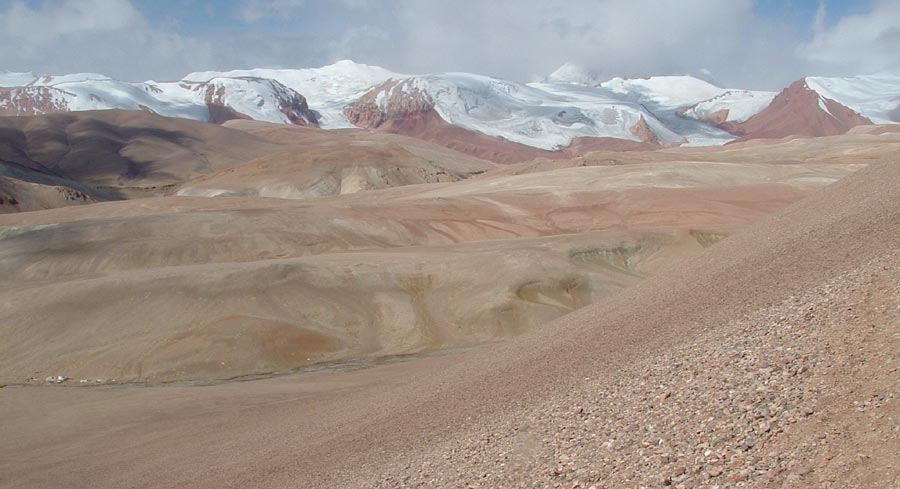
point(803, 393)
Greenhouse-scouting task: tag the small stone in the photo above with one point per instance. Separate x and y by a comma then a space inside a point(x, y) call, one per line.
point(741, 476)
point(746, 444)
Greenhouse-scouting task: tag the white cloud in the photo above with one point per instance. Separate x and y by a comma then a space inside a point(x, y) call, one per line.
point(53, 19)
point(858, 44)
point(255, 10)
point(724, 41)
point(820, 17)
point(105, 36)
point(524, 39)
point(363, 42)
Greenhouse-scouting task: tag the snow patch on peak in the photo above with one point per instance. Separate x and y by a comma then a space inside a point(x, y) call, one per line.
point(56, 80)
point(873, 96)
point(349, 64)
point(731, 106)
point(346, 62)
point(664, 91)
point(572, 73)
point(24, 79)
point(824, 106)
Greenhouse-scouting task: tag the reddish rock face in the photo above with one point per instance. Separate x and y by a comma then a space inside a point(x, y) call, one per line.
point(718, 117)
point(642, 131)
point(798, 111)
point(220, 114)
point(391, 101)
point(30, 101)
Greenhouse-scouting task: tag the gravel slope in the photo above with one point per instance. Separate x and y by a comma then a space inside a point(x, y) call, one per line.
point(746, 351)
point(802, 393)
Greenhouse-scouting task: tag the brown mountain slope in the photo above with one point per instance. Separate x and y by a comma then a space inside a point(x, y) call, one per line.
point(45, 193)
point(323, 171)
point(107, 155)
point(321, 163)
point(797, 111)
point(68, 159)
point(676, 373)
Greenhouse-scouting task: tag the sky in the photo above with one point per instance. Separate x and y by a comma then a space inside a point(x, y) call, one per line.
point(760, 44)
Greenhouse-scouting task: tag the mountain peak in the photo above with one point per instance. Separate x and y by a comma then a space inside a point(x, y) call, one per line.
point(573, 73)
point(347, 63)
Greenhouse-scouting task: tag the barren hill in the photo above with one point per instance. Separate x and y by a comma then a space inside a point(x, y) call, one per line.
point(85, 157)
point(213, 288)
point(65, 159)
point(319, 163)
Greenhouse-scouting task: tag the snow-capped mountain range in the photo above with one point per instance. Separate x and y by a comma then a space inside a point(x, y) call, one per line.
point(216, 99)
point(569, 106)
